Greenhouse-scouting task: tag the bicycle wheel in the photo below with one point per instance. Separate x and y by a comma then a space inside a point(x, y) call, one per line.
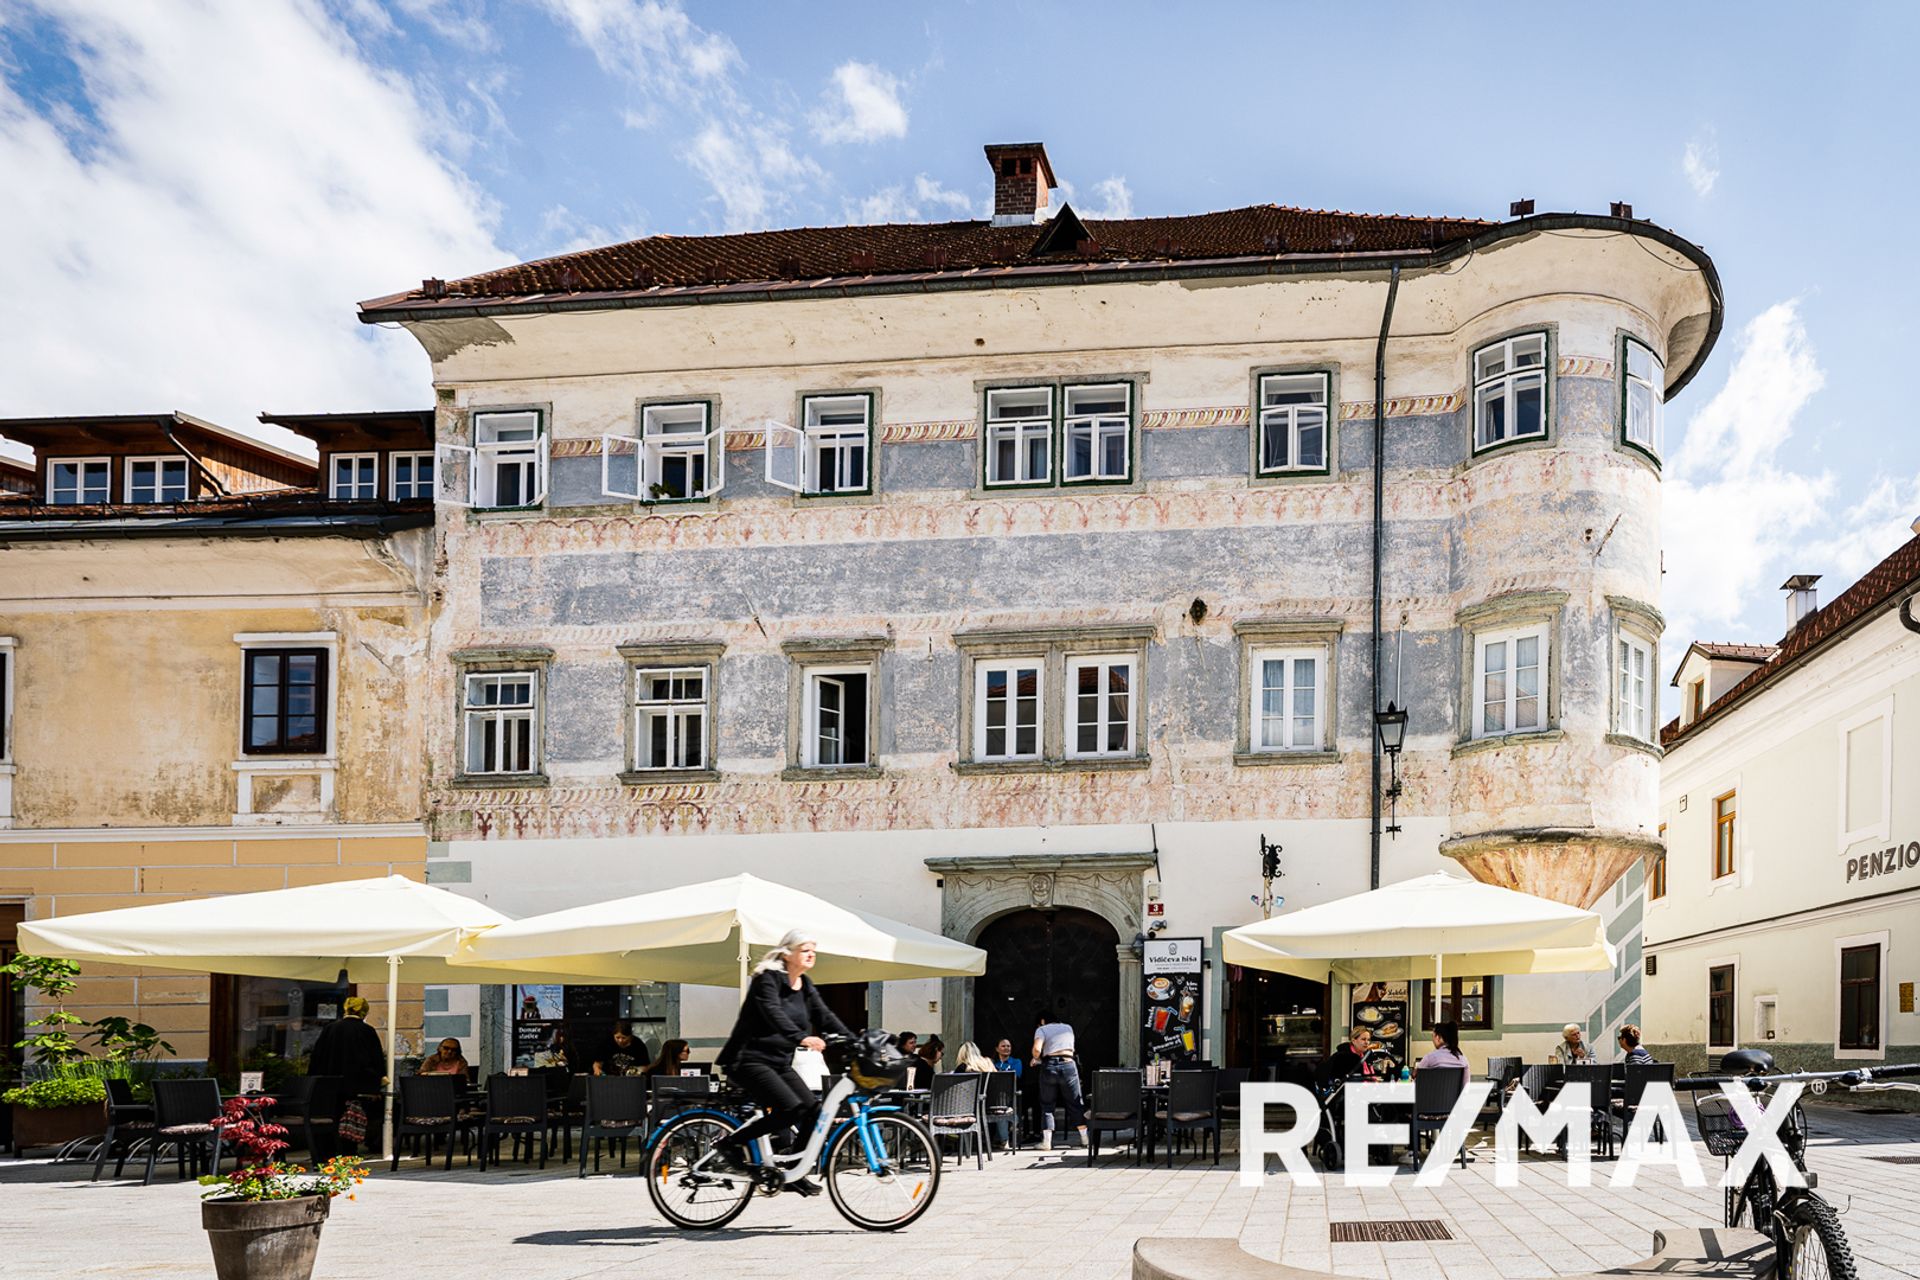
point(890, 1185)
point(694, 1200)
point(1817, 1248)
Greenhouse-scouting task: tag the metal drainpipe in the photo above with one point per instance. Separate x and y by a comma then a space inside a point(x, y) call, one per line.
point(1907, 619)
point(1379, 529)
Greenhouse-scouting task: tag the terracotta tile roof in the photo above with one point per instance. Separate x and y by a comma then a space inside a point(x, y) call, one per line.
point(1879, 589)
point(818, 253)
point(1736, 652)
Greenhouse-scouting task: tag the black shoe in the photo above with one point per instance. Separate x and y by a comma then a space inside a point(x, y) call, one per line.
point(805, 1186)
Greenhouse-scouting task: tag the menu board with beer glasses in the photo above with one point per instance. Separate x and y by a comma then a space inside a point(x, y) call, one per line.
point(1171, 998)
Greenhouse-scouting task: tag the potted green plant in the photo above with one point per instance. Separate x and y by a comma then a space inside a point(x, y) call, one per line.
point(65, 1101)
point(264, 1219)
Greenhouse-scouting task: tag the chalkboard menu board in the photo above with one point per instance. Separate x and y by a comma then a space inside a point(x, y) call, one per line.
point(1171, 998)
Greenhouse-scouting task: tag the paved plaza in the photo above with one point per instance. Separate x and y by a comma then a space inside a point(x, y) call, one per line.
point(1031, 1210)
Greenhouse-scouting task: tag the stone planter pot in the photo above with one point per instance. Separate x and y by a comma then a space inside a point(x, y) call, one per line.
point(57, 1126)
point(264, 1239)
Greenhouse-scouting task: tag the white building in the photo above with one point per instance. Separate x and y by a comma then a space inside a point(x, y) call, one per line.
point(1786, 913)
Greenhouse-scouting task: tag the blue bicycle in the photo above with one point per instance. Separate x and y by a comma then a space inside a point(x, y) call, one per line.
point(880, 1165)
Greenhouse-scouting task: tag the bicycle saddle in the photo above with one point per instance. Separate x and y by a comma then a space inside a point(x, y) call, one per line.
point(1747, 1062)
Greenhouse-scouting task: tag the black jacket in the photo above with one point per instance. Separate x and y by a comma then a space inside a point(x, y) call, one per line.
point(775, 1019)
point(351, 1050)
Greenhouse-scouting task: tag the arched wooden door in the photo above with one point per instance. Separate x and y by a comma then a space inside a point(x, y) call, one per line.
point(1065, 960)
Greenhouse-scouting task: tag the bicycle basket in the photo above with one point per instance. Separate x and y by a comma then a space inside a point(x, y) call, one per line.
point(1720, 1126)
point(871, 1060)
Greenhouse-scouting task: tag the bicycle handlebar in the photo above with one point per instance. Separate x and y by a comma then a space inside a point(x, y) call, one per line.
point(1856, 1076)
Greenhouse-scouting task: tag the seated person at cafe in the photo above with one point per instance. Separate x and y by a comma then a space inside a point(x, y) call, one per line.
point(622, 1055)
point(672, 1054)
point(919, 1073)
point(444, 1061)
point(1446, 1049)
point(1635, 1054)
point(1571, 1049)
point(1349, 1060)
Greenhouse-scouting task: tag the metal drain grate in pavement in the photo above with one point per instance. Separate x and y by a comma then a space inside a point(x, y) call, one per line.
point(1896, 1159)
point(1387, 1232)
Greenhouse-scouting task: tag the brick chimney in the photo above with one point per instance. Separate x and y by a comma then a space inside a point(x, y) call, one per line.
point(1021, 180)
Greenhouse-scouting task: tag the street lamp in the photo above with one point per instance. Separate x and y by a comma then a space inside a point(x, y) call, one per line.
point(1391, 724)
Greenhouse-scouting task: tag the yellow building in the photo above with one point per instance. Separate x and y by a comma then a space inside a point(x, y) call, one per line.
point(207, 668)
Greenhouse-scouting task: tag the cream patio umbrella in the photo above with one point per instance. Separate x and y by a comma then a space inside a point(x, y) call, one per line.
point(1418, 926)
point(706, 933)
point(368, 928)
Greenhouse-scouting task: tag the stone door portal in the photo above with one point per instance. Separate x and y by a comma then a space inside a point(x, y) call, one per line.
point(1064, 960)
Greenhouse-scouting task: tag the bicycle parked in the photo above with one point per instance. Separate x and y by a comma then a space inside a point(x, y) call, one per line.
point(880, 1165)
point(1808, 1241)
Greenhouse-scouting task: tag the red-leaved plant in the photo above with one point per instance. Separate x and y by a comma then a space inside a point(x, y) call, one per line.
point(243, 1126)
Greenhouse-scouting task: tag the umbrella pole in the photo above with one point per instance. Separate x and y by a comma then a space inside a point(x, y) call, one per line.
point(1435, 1014)
point(393, 1030)
point(743, 965)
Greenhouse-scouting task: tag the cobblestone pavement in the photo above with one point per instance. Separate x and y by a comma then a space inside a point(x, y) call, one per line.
point(1046, 1208)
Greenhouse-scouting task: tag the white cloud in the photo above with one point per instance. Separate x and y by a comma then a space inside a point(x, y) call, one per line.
point(863, 106)
point(1701, 162)
point(1111, 198)
point(1733, 512)
point(197, 236)
point(924, 201)
point(1876, 526)
point(461, 22)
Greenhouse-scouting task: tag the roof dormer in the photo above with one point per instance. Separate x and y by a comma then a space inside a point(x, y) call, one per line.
point(1710, 669)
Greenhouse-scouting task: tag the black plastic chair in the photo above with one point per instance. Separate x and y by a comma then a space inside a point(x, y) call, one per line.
point(566, 1109)
point(1003, 1104)
point(1435, 1090)
point(1598, 1077)
point(1634, 1086)
point(128, 1123)
point(955, 1112)
point(429, 1107)
point(669, 1094)
point(615, 1109)
point(309, 1108)
point(184, 1115)
point(1231, 1078)
point(1193, 1106)
point(1116, 1109)
point(516, 1108)
point(1503, 1074)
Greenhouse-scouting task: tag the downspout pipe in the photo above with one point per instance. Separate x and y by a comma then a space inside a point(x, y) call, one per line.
point(1907, 619)
point(1379, 533)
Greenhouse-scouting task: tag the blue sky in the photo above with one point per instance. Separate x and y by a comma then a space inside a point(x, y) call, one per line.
point(203, 190)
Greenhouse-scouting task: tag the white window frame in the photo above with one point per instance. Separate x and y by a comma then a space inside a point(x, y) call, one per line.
point(812, 676)
point(1706, 974)
point(1288, 418)
point(1103, 721)
point(105, 466)
point(1510, 636)
point(364, 464)
point(1883, 940)
point(1099, 426)
point(1649, 388)
point(472, 715)
point(482, 461)
point(414, 457)
point(1882, 827)
point(1505, 385)
point(1257, 658)
point(982, 669)
point(677, 711)
point(1631, 719)
point(160, 462)
point(1022, 430)
point(648, 453)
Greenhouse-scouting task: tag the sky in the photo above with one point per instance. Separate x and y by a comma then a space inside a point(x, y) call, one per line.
point(199, 191)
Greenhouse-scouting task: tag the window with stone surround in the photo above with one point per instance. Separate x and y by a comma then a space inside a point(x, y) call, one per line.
point(501, 715)
point(1055, 698)
point(830, 452)
point(1721, 979)
point(1509, 682)
point(1862, 996)
point(1643, 392)
point(1510, 391)
point(670, 725)
point(833, 718)
point(1097, 433)
point(679, 455)
point(1292, 423)
point(1287, 686)
point(286, 701)
point(1634, 687)
point(506, 467)
point(1017, 440)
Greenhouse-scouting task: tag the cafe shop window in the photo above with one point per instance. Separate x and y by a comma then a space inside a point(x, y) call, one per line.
point(1510, 391)
point(1467, 1001)
point(78, 481)
point(162, 479)
point(1293, 424)
point(1720, 995)
point(354, 477)
point(1861, 966)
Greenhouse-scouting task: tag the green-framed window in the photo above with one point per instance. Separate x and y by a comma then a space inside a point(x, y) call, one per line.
point(1096, 433)
point(1511, 391)
point(830, 454)
point(1643, 389)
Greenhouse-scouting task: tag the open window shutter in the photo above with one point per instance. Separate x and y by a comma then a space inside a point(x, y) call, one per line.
point(716, 461)
point(620, 464)
point(454, 471)
point(540, 459)
point(786, 451)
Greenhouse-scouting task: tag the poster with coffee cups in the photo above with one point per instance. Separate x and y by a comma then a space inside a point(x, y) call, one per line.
point(1171, 999)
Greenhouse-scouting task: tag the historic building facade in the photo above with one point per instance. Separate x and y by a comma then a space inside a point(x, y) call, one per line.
point(208, 670)
point(1785, 914)
point(1019, 579)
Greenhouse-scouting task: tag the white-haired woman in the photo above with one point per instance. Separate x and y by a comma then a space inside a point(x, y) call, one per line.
point(782, 1013)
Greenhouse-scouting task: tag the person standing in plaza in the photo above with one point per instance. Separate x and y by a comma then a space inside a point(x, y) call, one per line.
point(1053, 1053)
point(350, 1049)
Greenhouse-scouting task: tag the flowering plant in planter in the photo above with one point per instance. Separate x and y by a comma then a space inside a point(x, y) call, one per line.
point(261, 1176)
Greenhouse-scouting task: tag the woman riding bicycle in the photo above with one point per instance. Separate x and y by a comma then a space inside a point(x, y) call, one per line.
point(782, 1013)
